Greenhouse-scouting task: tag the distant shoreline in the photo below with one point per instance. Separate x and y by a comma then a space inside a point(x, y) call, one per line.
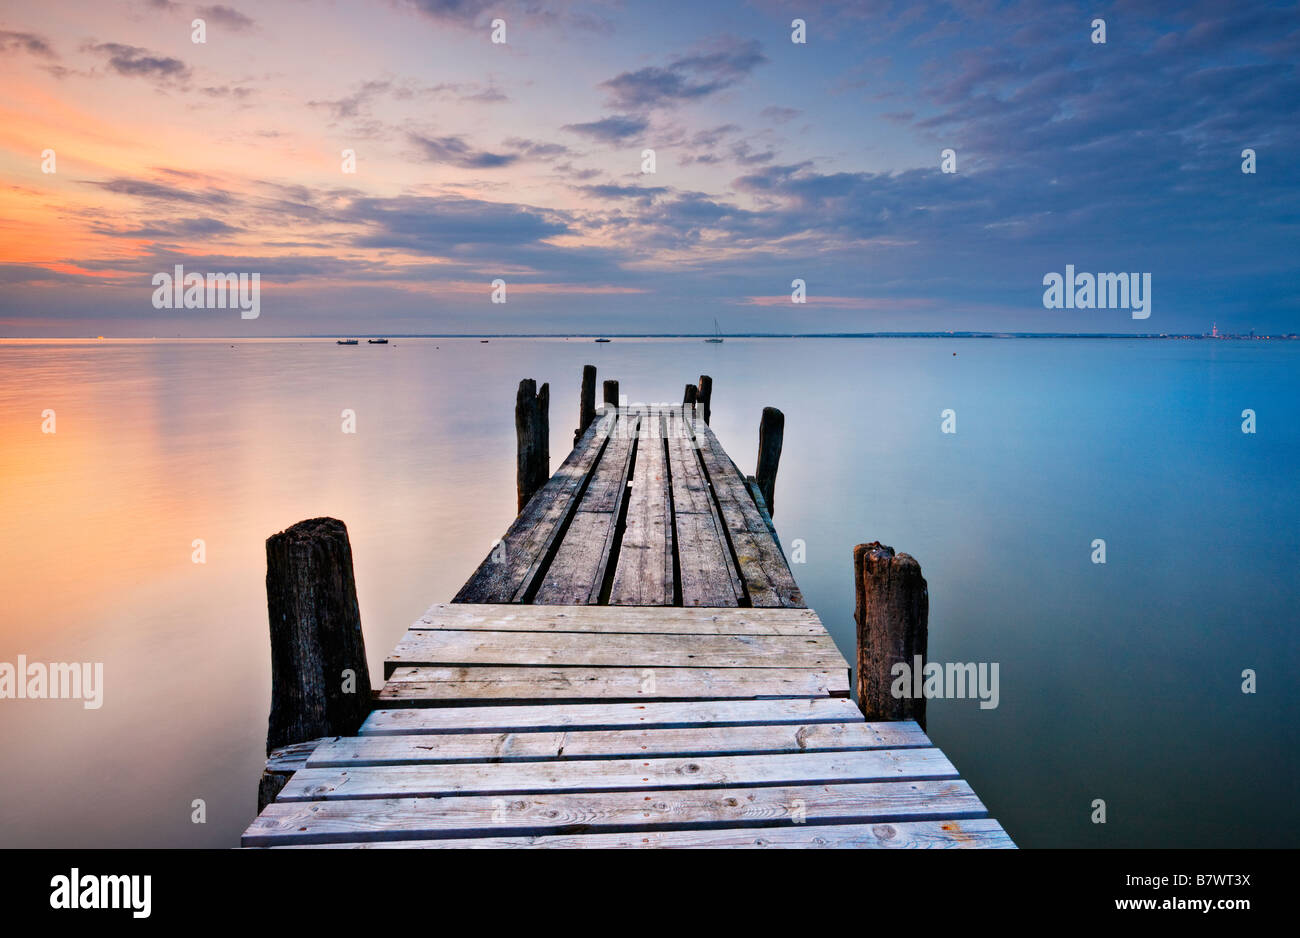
point(689, 335)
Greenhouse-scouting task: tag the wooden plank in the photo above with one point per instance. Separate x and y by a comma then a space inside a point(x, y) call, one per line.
point(291, 758)
point(340, 821)
point(643, 575)
point(576, 574)
point(280, 765)
point(708, 575)
point(762, 566)
point(508, 571)
point(612, 716)
point(757, 494)
point(613, 649)
point(512, 684)
point(500, 617)
point(411, 749)
point(978, 833)
point(435, 780)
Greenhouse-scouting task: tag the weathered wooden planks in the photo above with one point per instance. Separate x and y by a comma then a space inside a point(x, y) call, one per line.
point(338, 821)
point(612, 716)
point(510, 568)
point(501, 617)
point(416, 749)
point(708, 577)
point(644, 572)
point(686, 530)
point(513, 684)
point(428, 647)
point(580, 653)
point(577, 574)
point(918, 835)
point(438, 779)
point(633, 667)
point(762, 566)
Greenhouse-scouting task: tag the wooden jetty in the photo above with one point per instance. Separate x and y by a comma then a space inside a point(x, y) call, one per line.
point(633, 665)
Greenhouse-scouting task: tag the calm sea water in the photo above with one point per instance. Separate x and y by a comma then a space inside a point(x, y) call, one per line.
point(1119, 681)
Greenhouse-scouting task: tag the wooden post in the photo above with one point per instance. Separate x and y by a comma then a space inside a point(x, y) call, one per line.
point(705, 396)
point(892, 612)
point(533, 435)
point(316, 640)
point(771, 433)
point(586, 402)
point(690, 395)
point(611, 391)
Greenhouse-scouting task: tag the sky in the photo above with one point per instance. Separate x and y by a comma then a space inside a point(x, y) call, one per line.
point(523, 161)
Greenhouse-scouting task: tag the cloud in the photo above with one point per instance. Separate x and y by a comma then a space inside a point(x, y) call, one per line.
point(739, 151)
point(351, 105)
point(457, 152)
point(613, 129)
point(34, 273)
point(610, 191)
point(873, 303)
point(714, 135)
point(448, 226)
point(176, 228)
point(1117, 157)
point(458, 12)
point(746, 155)
point(532, 15)
point(779, 115)
point(537, 150)
point(27, 42)
point(358, 103)
point(489, 94)
point(227, 91)
point(158, 192)
point(226, 16)
point(132, 61)
point(686, 78)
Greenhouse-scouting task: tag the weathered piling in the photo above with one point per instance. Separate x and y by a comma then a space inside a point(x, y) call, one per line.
point(892, 613)
point(533, 435)
point(611, 391)
point(704, 396)
point(690, 396)
point(586, 402)
point(771, 433)
point(320, 683)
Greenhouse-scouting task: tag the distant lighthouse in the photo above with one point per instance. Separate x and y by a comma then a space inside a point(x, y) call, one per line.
point(1214, 330)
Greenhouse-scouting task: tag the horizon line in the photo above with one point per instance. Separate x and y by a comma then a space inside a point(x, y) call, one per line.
point(962, 334)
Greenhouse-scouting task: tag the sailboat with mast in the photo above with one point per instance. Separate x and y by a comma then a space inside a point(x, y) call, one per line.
point(717, 333)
